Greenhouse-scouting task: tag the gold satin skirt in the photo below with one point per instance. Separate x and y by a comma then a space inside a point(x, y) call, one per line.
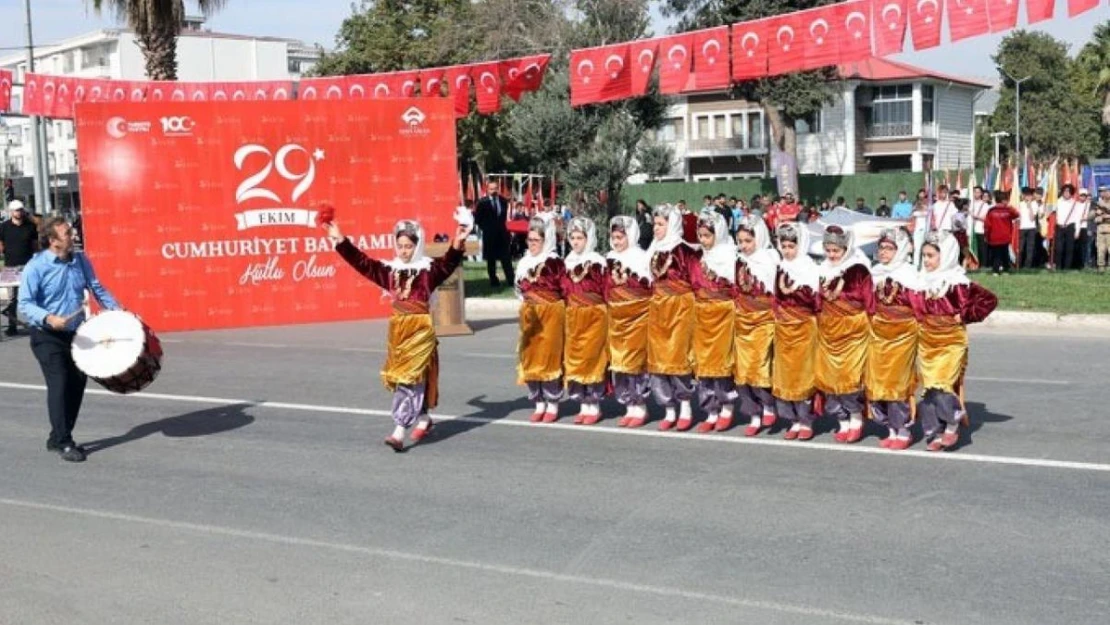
point(670, 333)
point(752, 348)
point(942, 354)
point(586, 353)
point(842, 342)
point(792, 377)
point(541, 342)
point(411, 354)
point(714, 329)
point(628, 336)
point(891, 358)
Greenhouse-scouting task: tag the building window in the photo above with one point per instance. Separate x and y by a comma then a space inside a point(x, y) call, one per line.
point(73, 160)
point(755, 130)
point(702, 126)
point(67, 62)
point(17, 104)
point(16, 166)
point(294, 66)
point(809, 124)
point(927, 104)
point(720, 123)
point(891, 112)
point(740, 129)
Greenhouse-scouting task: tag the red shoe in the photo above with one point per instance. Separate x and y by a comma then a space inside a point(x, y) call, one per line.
point(636, 422)
point(705, 427)
point(665, 425)
point(419, 433)
point(578, 418)
point(591, 419)
point(685, 424)
point(623, 422)
point(395, 444)
point(769, 420)
point(886, 442)
point(854, 435)
point(724, 423)
point(791, 435)
point(901, 444)
point(550, 417)
point(751, 430)
point(536, 417)
point(805, 434)
point(934, 445)
point(841, 437)
point(949, 439)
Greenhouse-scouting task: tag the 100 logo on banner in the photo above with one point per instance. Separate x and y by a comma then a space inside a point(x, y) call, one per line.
point(251, 188)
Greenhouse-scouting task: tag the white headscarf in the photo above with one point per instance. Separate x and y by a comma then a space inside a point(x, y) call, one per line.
point(530, 261)
point(852, 254)
point(633, 258)
point(764, 261)
point(802, 271)
point(673, 237)
point(721, 258)
point(900, 268)
point(414, 230)
point(949, 272)
point(589, 254)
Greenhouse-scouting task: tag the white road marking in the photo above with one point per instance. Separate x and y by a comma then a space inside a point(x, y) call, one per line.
point(295, 541)
point(1020, 381)
point(607, 430)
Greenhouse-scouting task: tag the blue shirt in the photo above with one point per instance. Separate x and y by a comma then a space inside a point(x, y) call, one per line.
point(901, 210)
point(52, 286)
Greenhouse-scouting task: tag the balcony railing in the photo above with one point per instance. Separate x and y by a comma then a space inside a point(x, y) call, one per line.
point(724, 144)
point(881, 131)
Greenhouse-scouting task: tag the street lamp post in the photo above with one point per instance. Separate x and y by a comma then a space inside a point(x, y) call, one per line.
point(998, 136)
point(42, 200)
point(1017, 110)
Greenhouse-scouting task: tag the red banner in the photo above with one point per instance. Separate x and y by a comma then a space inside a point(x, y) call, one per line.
point(1039, 10)
point(326, 88)
point(431, 82)
point(201, 216)
point(925, 23)
point(711, 56)
point(889, 17)
point(600, 75)
point(967, 18)
point(459, 80)
point(642, 54)
point(820, 36)
point(675, 64)
point(487, 87)
point(787, 45)
point(749, 49)
point(853, 30)
point(524, 75)
point(5, 90)
point(1075, 7)
point(1003, 13)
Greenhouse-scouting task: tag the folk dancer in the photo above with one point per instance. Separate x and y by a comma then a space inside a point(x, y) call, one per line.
point(628, 292)
point(797, 302)
point(586, 349)
point(539, 279)
point(756, 267)
point(712, 278)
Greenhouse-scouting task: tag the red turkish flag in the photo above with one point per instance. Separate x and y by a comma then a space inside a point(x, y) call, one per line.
point(198, 92)
point(1075, 7)
point(63, 98)
point(324, 88)
point(967, 18)
point(675, 63)
point(458, 85)
point(786, 48)
point(711, 58)
point(81, 89)
point(925, 24)
point(357, 86)
point(408, 82)
point(600, 75)
point(5, 90)
point(48, 85)
point(1039, 10)
point(820, 48)
point(487, 87)
point(32, 94)
point(749, 49)
point(1003, 13)
point(890, 26)
point(159, 90)
point(523, 75)
point(99, 90)
point(642, 54)
point(853, 30)
point(431, 82)
point(269, 90)
point(221, 91)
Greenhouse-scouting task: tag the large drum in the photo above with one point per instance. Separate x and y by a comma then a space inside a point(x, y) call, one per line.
point(117, 350)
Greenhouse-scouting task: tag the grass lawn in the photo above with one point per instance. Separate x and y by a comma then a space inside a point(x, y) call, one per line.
point(1068, 292)
point(477, 282)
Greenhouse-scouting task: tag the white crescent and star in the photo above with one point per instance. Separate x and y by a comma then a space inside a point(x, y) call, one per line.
point(712, 43)
point(493, 81)
point(646, 66)
point(620, 65)
point(677, 48)
point(744, 43)
point(819, 22)
point(333, 89)
point(921, 4)
point(585, 63)
point(357, 91)
point(892, 24)
point(778, 36)
point(857, 33)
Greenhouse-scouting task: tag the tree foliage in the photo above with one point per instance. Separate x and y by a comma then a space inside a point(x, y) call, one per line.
point(1093, 72)
point(156, 23)
point(1057, 117)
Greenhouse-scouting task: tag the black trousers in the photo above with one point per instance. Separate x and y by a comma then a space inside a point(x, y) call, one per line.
point(500, 254)
point(1028, 247)
point(981, 249)
point(1065, 247)
point(999, 257)
point(65, 383)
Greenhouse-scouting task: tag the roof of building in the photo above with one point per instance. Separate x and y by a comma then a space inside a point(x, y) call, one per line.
point(884, 69)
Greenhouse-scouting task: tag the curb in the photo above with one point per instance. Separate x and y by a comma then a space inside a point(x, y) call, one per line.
point(998, 319)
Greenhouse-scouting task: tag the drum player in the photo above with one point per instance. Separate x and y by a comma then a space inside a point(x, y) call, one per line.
point(51, 298)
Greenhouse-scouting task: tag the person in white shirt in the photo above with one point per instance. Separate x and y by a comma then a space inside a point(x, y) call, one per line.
point(1069, 214)
point(978, 212)
point(1030, 213)
point(944, 211)
point(1086, 231)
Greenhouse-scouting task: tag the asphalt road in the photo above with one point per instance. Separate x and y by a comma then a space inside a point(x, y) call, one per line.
point(250, 485)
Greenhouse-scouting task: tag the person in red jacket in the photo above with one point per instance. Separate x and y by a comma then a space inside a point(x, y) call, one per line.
point(999, 225)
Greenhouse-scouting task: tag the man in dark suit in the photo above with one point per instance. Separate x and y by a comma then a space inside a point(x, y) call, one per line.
point(491, 216)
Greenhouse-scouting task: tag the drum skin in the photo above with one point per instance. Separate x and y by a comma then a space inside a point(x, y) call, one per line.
point(118, 351)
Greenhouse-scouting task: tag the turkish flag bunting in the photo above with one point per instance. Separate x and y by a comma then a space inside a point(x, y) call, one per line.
point(198, 92)
point(487, 87)
point(786, 48)
point(63, 98)
point(159, 90)
point(48, 85)
point(675, 63)
point(523, 75)
point(408, 82)
point(32, 94)
point(600, 75)
point(270, 90)
point(358, 86)
point(221, 91)
point(1039, 10)
point(324, 88)
point(458, 85)
point(1075, 7)
point(818, 37)
point(431, 82)
point(136, 91)
point(5, 90)
point(925, 24)
point(749, 49)
point(967, 18)
point(642, 54)
point(853, 30)
point(81, 89)
point(711, 58)
point(100, 90)
point(1003, 13)
point(890, 26)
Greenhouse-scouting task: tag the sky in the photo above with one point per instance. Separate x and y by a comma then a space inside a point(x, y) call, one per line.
point(55, 20)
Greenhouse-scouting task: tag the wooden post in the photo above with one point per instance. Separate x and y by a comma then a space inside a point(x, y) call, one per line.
point(449, 311)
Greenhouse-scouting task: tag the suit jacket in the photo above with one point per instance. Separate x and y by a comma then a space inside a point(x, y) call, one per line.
point(491, 215)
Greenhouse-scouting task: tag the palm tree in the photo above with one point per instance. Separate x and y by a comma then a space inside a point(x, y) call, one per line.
point(156, 24)
point(1095, 58)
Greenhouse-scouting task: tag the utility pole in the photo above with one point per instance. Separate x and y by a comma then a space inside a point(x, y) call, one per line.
point(1017, 111)
point(42, 188)
point(998, 136)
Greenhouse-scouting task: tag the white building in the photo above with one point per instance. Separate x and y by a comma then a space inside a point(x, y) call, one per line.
point(201, 56)
point(886, 116)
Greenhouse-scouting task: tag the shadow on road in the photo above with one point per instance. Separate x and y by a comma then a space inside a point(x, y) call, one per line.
point(479, 325)
point(979, 415)
point(199, 423)
point(484, 412)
